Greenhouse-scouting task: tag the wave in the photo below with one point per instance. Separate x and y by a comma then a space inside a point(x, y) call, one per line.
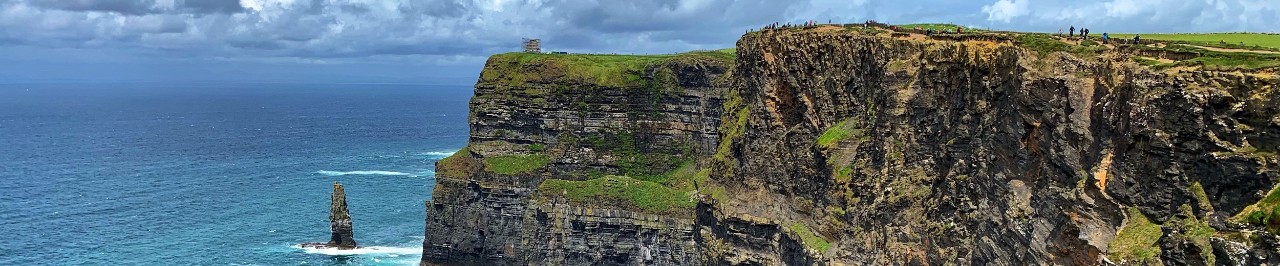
point(439, 154)
point(372, 172)
point(374, 250)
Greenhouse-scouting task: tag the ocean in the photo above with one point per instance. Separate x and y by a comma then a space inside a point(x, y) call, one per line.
point(218, 174)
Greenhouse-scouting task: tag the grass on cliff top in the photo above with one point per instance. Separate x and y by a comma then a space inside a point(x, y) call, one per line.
point(644, 195)
point(614, 70)
point(1136, 241)
point(1045, 43)
point(458, 165)
point(1233, 40)
point(936, 27)
point(811, 239)
point(515, 164)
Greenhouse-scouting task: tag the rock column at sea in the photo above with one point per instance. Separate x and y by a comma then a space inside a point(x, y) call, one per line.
point(340, 220)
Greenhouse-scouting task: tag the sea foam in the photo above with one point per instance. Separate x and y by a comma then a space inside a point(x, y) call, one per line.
point(439, 154)
point(342, 173)
point(374, 250)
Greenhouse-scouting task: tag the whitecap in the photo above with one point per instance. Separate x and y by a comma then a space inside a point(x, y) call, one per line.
point(439, 154)
point(369, 172)
point(373, 250)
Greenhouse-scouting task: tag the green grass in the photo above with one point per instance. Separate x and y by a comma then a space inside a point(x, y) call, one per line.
point(515, 164)
point(602, 69)
point(1045, 43)
point(1265, 204)
point(836, 133)
point(1202, 198)
point(1265, 213)
point(811, 239)
point(935, 27)
point(1199, 232)
point(634, 193)
point(1136, 241)
point(458, 165)
point(1271, 41)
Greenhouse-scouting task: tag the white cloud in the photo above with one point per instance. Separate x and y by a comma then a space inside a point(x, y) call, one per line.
point(1125, 8)
point(1006, 10)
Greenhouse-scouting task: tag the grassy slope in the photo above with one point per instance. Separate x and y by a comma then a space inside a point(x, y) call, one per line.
point(1233, 39)
point(613, 70)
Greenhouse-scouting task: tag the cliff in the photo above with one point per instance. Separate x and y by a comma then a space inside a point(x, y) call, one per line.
point(839, 146)
point(579, 159)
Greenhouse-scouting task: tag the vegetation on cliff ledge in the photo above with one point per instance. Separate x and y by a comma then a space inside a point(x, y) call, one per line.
point(638, 194)
point(1136, 242)
point(1265, 213)
point(515, 164)
point(460, 164)
point(811, 239)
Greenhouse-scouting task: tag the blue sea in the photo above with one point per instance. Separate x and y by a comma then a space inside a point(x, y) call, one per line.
point(218, 174)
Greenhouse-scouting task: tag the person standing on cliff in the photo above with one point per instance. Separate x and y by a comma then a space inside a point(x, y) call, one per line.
point(1072, 33)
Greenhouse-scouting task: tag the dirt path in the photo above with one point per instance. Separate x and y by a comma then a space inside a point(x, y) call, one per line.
point(1234, 50)
point(1157, 59)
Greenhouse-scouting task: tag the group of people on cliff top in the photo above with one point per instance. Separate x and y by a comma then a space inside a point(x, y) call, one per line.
point(1106, 38)
point(931, 31)
point(780, 25)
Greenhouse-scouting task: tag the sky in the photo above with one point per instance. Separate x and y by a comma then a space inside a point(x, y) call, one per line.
point(447, 42)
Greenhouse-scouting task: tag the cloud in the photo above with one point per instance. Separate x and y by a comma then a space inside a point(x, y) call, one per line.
point(127, 7)
point(210, 6)
point(467, 30)
point(1006, 10)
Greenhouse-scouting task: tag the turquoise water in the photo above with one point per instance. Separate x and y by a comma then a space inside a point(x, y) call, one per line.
point(217, 174)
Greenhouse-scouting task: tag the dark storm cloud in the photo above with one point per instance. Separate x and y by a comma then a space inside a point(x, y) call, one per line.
point(142, 7)
point(210, 6)
point(474, 28)
point(127, 7)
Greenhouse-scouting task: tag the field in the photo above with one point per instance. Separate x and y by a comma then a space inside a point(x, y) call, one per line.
point(616, 70)
point(1261, 40)
point(936, 27)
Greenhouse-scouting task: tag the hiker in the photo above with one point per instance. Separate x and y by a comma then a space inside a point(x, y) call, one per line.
point(959, 29)
point(1084, 34)
point(1073, 32)
point(1059, 32)
point(1137, 39)
point(1105, 37)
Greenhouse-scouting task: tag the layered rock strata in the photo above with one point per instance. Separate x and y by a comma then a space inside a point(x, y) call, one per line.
point(342, 236)
point(841, 147)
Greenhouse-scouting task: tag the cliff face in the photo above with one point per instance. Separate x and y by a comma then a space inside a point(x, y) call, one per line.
point(838, 147)
point(519, 193)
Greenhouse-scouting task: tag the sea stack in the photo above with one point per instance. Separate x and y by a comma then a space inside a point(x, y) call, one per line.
point(340, 220)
